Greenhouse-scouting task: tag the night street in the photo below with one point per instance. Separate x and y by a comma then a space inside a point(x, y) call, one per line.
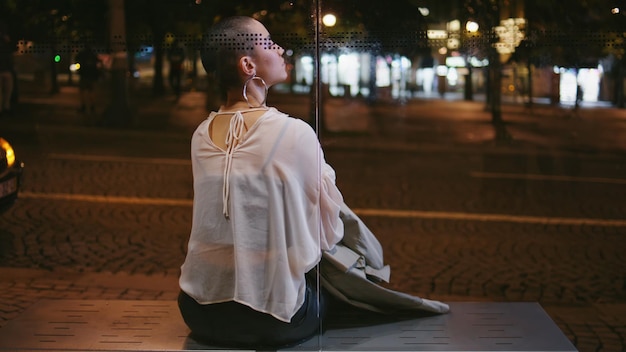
point(483, 143)
point(105, 213)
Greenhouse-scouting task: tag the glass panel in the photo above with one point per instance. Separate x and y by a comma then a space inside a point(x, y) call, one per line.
point(481, 143)
point(462, 123)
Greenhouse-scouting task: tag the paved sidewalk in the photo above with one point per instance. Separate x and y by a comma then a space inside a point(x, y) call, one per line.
point(463, 127)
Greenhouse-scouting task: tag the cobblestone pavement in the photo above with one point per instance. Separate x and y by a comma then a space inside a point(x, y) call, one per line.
point(580, 283)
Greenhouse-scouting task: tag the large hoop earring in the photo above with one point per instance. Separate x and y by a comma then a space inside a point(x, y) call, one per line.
point(245, 90)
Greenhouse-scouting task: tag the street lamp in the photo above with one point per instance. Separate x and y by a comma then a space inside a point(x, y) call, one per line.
point(471, 26)
point(329, 20)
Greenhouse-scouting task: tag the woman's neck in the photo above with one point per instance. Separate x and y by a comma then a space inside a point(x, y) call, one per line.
point(235, 101)
point(255, 97)
point(238, 106)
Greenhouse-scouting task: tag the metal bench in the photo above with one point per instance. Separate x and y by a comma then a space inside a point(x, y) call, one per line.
point(113, 325)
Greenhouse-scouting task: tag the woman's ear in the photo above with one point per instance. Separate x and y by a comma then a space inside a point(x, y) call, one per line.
point(247, 66)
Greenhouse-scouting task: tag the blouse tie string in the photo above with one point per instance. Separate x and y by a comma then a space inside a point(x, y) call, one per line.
point(234, 136)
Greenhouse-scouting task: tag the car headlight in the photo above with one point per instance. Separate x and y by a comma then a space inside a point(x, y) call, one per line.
point(8, 151)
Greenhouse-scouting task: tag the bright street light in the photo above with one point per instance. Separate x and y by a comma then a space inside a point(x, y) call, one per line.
point(329, 20)
point(471, 26)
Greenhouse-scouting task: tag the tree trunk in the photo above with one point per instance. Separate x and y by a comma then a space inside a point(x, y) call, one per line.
point(495, 87)
point(619, 84)
point(158, 88)
point(194, 67)
point(54, 80)
point(530, 83)
point(488, 93)
point(495, 102)
point(132, 63)
point(469, 89)
point(118, 112)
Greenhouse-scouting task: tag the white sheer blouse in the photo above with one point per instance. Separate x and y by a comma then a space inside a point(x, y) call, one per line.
point(263, 211)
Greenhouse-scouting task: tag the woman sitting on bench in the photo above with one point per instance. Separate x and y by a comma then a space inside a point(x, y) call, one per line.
point(267, 211)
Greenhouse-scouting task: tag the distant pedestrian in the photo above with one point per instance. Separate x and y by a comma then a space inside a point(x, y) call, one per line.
point(579, 94)
point(89, 73)
point(176, 57)
point(6, 70)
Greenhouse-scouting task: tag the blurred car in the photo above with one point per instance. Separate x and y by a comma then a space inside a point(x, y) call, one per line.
point(10, 175)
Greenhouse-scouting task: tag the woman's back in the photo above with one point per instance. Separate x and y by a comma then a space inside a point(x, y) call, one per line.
point(218, 128)
point(271, 234)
